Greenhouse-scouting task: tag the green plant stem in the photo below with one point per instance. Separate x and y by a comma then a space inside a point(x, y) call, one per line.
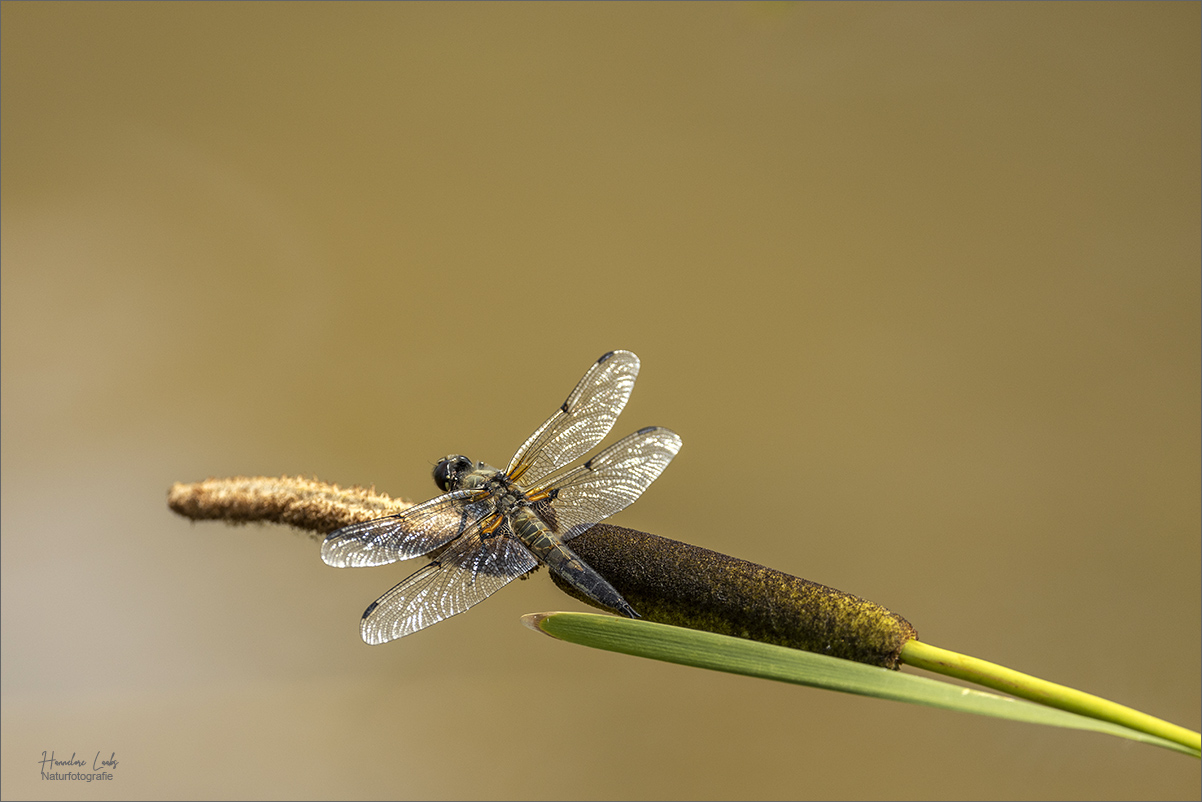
point(982, 672)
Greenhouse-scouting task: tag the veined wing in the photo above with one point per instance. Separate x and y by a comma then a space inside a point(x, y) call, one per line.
point(416, 531)
point(610, 481)
point(469, 571)
point(581, 422)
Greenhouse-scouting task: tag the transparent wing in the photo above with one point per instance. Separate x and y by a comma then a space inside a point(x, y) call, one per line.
point(416, 531)
point(468, 572)
point(610, 481)
point(581, 422)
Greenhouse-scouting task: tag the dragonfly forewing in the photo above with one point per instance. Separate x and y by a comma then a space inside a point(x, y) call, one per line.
point(414, 532)
point(582, 420)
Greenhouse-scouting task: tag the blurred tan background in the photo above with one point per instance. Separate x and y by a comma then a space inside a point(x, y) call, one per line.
point(917, 284)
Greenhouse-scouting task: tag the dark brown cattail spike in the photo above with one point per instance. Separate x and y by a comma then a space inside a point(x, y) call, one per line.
point(675, 583)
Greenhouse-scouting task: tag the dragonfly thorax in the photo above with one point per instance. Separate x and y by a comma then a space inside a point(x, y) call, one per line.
point(493, 493)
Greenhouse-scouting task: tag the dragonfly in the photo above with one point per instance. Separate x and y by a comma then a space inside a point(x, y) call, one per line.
point(490, 527)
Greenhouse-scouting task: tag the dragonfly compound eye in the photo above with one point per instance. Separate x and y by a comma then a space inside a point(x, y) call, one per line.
point(449, 471)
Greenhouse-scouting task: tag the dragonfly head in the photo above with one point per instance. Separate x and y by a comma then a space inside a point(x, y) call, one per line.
point(450, 470)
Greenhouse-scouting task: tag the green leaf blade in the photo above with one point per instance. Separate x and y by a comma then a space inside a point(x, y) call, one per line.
point(767, 661)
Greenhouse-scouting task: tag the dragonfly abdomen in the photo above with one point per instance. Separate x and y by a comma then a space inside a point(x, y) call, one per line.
point(563, 562)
